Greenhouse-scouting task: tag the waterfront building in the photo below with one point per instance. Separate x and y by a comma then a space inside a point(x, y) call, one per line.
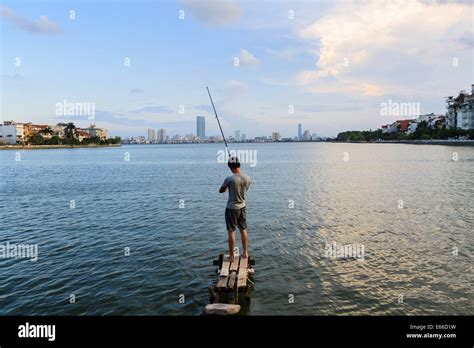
point(58, 130)
point(300, 130)
point(460, 110)
point(161, 138)
point(151, 135)
point(81, 134)
point(306, 135)
point(432, 120)
point(276, 136)
point(11, 133)
point(237, 135)
point(403, 125)
point(244, 137)
point(138, 140)
point(93, 131)
point(399, 126)
point(30, 129)
point(201, 126)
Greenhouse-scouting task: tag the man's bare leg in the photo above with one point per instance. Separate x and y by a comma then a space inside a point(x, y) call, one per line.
point(245, 242)
point(231, 245)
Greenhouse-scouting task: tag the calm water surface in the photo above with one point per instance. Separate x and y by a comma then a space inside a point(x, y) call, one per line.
point(136, 204)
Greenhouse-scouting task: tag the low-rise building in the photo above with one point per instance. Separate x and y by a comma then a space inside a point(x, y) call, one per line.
point(58, 130)
point(399, 126)
point(8, 134)
point(390, 128)
point(432, 120)
point(100, 133)
point(82, 134)
point(12, 133)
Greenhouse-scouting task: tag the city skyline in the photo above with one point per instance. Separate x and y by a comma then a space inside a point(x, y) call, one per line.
point(274, 68)
point(159, 135)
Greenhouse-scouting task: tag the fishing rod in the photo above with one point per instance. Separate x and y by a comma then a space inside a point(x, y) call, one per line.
point(215, 112)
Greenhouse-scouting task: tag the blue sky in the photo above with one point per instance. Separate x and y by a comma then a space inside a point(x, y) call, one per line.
point(333, 63)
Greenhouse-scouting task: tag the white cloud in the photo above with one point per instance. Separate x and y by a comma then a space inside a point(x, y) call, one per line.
point(213, 12)
point(237, 85)
point(40, 26)
point(288, 53)
point(377, 47)
point(247, 58)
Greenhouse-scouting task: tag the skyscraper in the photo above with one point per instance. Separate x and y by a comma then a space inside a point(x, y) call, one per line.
point(201, 126)
point(161, 135)
point(300, 131)
point(306, 135)
point(151, 135)
point(237, 135)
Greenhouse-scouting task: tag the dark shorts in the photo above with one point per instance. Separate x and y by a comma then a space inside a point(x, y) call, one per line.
point(235, 217)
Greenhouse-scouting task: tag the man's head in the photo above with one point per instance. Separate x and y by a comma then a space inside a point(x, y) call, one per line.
point(234, 164)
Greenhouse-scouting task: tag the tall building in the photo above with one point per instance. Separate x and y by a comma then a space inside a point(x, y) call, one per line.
point(237, 135)
point(201, 126)
point(244, 137)
point(151, 135)
point(460, 110)
point(276, 136)
point(306, 135)
point(300, 131)
point(161, 138)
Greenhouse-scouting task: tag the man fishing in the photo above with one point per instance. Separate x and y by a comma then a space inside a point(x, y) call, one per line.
point(235, 212)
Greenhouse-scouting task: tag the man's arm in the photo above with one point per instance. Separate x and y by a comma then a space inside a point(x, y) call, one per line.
point(223, 188)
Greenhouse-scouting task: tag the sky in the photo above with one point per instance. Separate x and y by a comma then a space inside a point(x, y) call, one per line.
point(329, 65)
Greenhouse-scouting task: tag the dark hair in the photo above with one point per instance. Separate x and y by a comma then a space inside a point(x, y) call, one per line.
point(233, 162)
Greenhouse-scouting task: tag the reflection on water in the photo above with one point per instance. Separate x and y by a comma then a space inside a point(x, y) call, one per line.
point(410, 207)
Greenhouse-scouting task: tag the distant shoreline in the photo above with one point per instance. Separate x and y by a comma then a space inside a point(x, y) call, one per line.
point(407, 142)
point(41, 147)
point(413, 142)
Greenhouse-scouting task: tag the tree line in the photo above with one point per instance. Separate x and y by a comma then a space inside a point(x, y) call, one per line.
point(422, 132)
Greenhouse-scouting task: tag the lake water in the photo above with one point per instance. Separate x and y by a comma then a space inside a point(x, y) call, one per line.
point(409, 207)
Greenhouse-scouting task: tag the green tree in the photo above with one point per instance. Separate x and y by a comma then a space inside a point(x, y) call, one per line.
point(70, 130)
point(55, 140)
point(47, 131)
point(36, 139)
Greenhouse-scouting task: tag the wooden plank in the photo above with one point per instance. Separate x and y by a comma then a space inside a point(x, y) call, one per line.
point(242, 282)
point(242, 277)
point(235, 265)
point(243, 264)
point(233, 276)
point(222, 282)
point(225, 269)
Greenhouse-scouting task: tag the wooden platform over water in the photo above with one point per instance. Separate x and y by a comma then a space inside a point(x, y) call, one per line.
point(233, 284)
point(233, 274)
